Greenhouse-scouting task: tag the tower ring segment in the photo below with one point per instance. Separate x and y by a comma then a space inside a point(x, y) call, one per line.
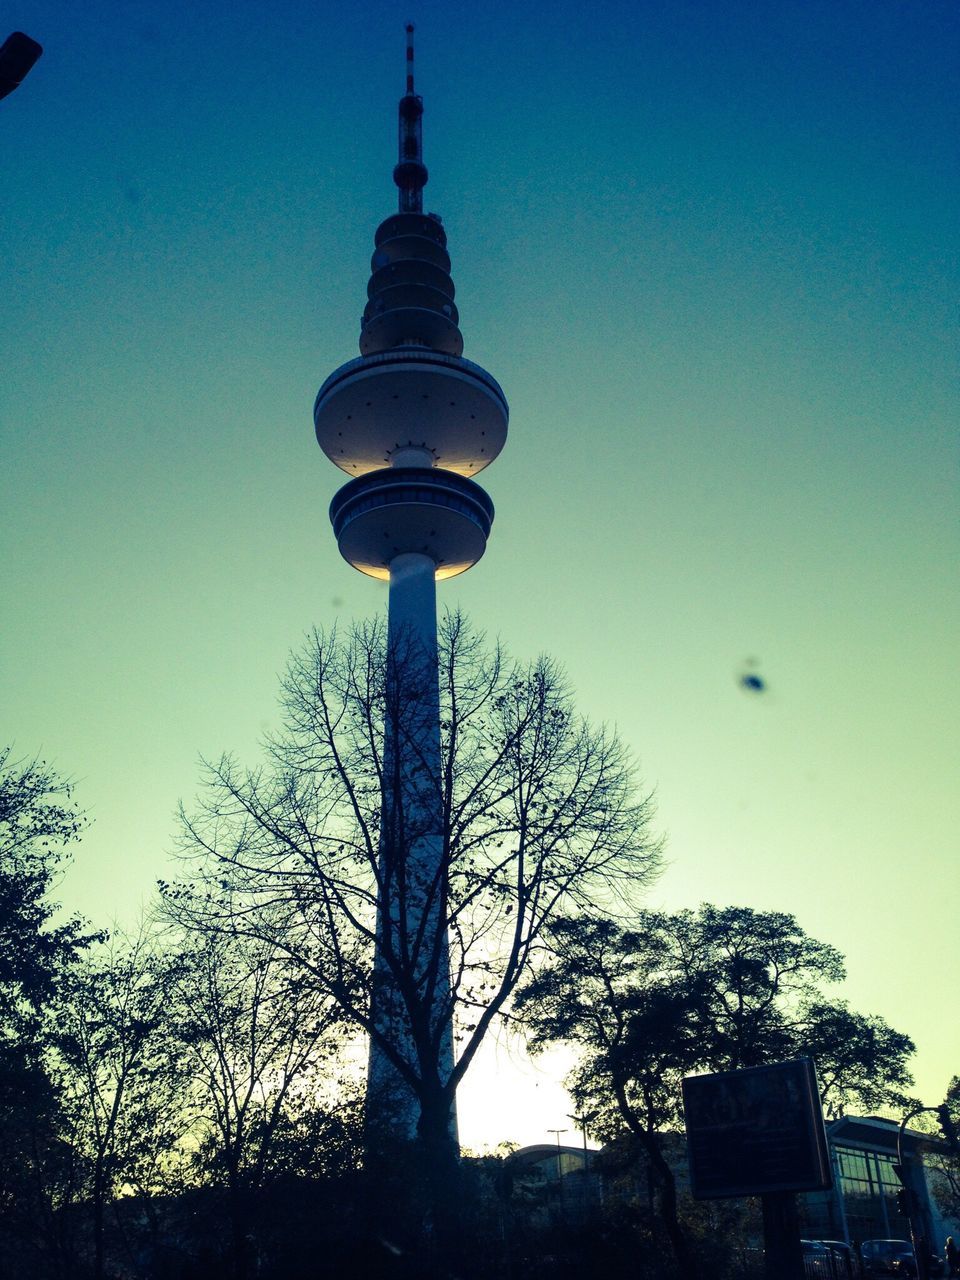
point(393, 511)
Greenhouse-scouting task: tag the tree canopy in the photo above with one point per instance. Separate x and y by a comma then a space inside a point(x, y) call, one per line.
point(945, 1164)
point(38, 823)
point(708, 990)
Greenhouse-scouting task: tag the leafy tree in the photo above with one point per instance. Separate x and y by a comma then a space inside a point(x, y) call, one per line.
point(38, 823)
point(610, 991)
point(861, 1060)
point(716, 989)
point(540, 813)
point(946, 1164)
point(40, 1170)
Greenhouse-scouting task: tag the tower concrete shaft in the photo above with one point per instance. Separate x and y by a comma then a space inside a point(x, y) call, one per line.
point(412, 947)
point(411, 421)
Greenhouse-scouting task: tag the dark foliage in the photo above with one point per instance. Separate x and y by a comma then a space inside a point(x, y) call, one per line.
point(711, 990)
point(38, 822)
point(38, 1166)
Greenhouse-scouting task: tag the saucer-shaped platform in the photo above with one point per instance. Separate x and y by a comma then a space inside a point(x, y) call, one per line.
point(411, 509)
point(370, 407)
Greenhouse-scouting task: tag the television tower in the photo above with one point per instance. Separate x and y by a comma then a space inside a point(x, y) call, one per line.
point(411, 421)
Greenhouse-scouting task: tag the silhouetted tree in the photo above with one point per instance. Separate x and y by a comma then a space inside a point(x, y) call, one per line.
point(540, 814)
point(716, 989)
point(38, 823)
point(945, 1165)
point(861, 1060)
point(258, 1045)
point(118, 1070)
point(610, 991)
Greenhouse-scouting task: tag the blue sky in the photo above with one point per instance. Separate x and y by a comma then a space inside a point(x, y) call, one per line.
point(708, 250)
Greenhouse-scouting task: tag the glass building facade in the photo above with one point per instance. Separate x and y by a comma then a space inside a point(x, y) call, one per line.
point(869, 1187)
point(863, 1202)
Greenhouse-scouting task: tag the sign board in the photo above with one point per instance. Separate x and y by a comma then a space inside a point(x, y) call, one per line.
point(756, 1130)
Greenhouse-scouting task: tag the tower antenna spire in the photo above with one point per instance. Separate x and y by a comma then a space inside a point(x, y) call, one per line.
point(410, 173)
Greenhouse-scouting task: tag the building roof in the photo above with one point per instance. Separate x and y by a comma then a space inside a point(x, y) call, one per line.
point(879, 1134)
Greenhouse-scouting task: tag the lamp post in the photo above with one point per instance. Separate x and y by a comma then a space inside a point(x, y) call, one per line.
point(581, 1122)
point(559, 1170)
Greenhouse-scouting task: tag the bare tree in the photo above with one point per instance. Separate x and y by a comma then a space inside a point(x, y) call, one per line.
point(115, 1065)
point(256, 1041)
point(540, 814)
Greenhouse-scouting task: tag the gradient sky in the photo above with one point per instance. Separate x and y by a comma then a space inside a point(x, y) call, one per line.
point(709, 251)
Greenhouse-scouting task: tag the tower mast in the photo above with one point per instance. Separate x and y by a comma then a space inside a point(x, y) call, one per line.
point(410, 175)
point(411, 421)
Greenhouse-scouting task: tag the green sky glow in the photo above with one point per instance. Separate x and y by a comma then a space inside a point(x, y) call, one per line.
point(708, 250)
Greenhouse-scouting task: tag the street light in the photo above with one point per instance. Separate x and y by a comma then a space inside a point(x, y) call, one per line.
point(581, 1122)
point(18, 53)
point(559, 1174)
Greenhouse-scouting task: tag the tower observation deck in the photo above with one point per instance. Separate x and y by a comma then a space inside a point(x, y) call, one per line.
point(411, 422)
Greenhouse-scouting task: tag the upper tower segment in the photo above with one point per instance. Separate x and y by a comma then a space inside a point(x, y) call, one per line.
point(410, 291)
point(411, 401)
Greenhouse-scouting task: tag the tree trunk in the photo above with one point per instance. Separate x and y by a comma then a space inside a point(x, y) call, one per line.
point(668, 1212)
point(668, 1187)
point(239, 1224)
point(439, 1159)
point(99, 1195)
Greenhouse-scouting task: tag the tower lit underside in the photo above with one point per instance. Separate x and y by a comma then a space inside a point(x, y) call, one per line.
point(411, 421)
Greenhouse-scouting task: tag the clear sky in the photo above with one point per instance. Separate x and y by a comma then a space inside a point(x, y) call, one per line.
point(709, 251)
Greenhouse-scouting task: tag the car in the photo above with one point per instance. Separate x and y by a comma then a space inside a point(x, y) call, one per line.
point(896, 1258)
point(844, 1258)
point(888, 1258)
point(817, 1259)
